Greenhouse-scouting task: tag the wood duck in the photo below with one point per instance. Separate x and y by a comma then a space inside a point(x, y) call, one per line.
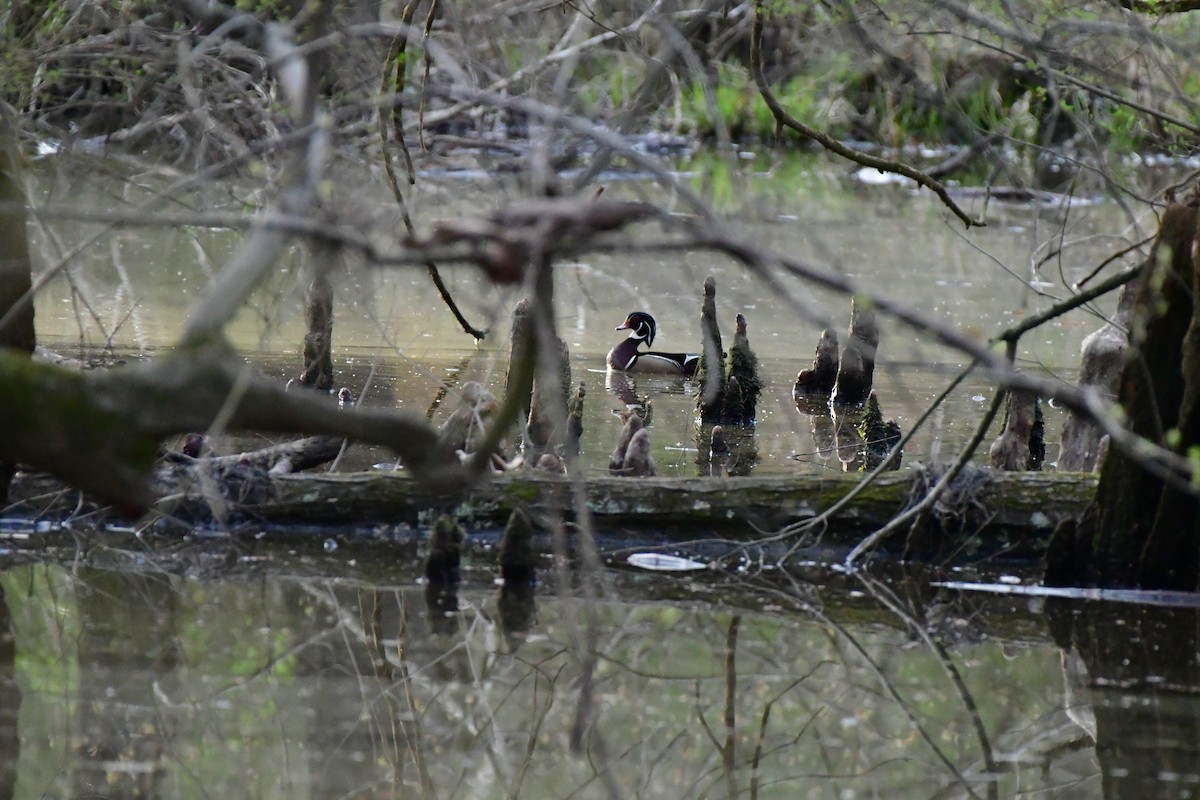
point(627, 358)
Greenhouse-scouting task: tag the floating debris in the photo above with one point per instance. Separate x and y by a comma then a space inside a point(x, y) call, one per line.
point(658, 562)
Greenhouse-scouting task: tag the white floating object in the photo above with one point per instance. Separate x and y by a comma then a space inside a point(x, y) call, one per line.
point(875, 177)
point(663, 563)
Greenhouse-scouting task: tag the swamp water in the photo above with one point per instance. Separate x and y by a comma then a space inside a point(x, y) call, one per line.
point(276, 674)
point(266, 667)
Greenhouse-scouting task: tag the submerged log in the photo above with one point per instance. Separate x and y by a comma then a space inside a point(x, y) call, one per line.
point(1022, 504)
point(301, 454)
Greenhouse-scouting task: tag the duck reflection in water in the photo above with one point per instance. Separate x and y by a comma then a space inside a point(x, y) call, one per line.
point(624, 388)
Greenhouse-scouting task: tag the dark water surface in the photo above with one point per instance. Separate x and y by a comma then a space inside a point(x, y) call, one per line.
point(253, 667)
point(288, 671)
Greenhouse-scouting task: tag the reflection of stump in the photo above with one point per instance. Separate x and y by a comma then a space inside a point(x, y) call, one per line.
point(445, 552)
point(857, 368)
point(518, 557)
point(517, 606)
point(879, 437)
point(849, 439)
point(1100, 366)
point(824, 434)
point(714, 459)
point(442, 574)
point(743, 451)
point(1133, 673)
point(821, 378)
point(1022, 445)
point(725, 450)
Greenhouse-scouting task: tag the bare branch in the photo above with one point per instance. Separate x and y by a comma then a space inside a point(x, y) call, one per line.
point(784, 119)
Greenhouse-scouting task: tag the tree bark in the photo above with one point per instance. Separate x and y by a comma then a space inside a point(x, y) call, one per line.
point(318, 341)
point(1103, 357)
point(1140, 530)
point(16, 281)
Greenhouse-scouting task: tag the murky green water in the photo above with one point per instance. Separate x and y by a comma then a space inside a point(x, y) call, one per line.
point(211, 668)
point(250, 675)
point(396, 343)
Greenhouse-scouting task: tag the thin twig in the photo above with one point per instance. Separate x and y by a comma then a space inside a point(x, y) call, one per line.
point(398, 58)
point(729, 750)
point(885, 595)
point(828, 513)
point(920, 511)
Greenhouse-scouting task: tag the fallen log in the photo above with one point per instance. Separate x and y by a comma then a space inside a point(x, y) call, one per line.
point(1011, 509)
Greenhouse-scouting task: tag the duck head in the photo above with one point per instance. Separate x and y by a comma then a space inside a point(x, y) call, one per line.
point(640, 326)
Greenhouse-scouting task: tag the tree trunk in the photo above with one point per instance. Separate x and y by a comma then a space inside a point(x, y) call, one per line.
point(318, 341)
point(16, 298)
point(1100, 365)
point(1139, 531)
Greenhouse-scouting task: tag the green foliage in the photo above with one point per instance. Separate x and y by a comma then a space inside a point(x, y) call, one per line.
point(1193, 457)
point(276, 9)
point(1125, 131)
point(733, 100)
